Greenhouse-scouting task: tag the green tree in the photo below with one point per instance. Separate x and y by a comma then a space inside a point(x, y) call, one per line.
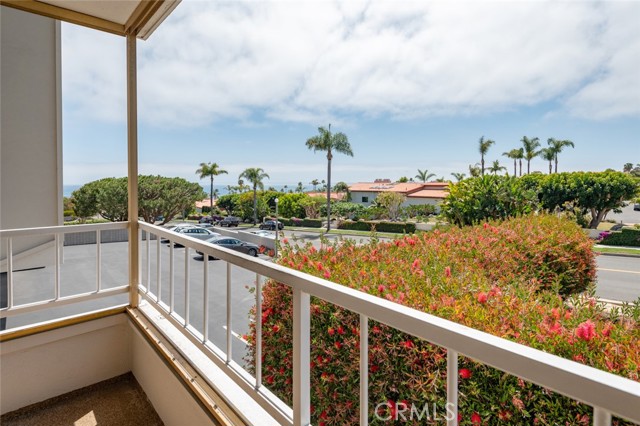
point(458, 176)
point(627, 167)
point(530, 146)
point(496, 167)
point(112, 199)
point(391, 202)
point(312, 206)
point(210, 170)
point(289, 205)
point(475, 200)
point(315, 184)
point(255, 175)
point(474, 170)
point(403, 179)
point(424, 175)
point(516, 155)
point(557, 146)
point(483, 147)
point(300, 187)
point(548, 154)
point(329, 142)
point(85, 203)
point(166, 197)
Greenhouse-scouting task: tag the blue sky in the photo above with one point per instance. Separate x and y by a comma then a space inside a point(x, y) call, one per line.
point(413, 85)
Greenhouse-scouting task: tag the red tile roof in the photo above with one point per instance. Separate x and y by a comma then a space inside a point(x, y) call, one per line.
point(429, 193)
point(406, 188)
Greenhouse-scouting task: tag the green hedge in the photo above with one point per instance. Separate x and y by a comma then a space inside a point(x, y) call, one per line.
point(306, 223)
point(624, 237)
point(397, 227)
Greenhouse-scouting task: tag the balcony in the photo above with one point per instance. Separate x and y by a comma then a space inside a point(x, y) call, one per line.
point(179, 331)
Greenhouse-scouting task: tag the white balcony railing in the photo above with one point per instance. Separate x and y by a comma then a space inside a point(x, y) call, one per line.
point(160, 283)
point(52, 240)
point(608, 394)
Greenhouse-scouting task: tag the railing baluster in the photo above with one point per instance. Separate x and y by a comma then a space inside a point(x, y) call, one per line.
point(186, 286)
point(57, 266)
point(205, 307)
point(452, 387)
point(229, 341)
point(301, 359)
point(148, 250)
point(98, 261)
point(258, 325)
point(364, 370)
point(158, 265)
point(10, 272)
point(171, 277)
point(601, 417)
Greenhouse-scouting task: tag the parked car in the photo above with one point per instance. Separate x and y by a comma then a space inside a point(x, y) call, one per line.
point(176, 228)
point(230, 221)
point(211, 220)
point(636, 206)
point(198, 232)
point(233, 244)
point(271, 225)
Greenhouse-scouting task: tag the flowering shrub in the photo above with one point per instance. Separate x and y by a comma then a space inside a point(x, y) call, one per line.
point(498, 278)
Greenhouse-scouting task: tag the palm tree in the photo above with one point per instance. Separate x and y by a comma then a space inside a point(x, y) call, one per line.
point(496, 167)
point(530, 152)
point(210, 170)
point(557, 147)
point(424, 175)
point(483, 148)
point(627, 167)
point(474, 170)
point(255, 175)
point(300, 187)
point(458, 176)
point(515, 154)
point(548, 154)
point(326, 141)
point(315, 183)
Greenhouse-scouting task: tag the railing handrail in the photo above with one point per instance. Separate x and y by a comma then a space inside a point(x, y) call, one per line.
point(598, 388)
point(62, 229)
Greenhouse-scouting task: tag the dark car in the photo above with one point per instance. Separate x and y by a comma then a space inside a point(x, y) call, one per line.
point(636, 206)
point(271, 225)
point(230, 221)
point(210, 220)
point(233, 244)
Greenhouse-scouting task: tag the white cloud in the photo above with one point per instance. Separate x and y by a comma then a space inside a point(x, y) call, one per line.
point(315, 61)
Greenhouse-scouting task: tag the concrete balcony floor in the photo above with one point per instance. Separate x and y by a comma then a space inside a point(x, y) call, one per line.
point(119, 401)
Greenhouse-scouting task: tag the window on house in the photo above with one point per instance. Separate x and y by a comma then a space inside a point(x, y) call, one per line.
point(365, 199)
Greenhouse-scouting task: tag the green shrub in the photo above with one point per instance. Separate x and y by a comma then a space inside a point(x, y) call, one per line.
point(68, 213)
point(624, 237)
point(307, 223)
point(486, 277)
point(475, 200)
point(289, 205)
point(396, 227)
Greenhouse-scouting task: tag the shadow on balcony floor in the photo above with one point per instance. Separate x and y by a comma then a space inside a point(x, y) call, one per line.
point(119, 401)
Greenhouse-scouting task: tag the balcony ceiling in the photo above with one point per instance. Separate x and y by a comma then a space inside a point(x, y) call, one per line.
point(121, 17)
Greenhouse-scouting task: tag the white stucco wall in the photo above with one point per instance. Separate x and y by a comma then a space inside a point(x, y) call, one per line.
point(30, 124)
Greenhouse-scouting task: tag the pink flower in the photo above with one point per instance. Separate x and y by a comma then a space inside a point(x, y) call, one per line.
point(447, 272)
point(415, 264)
point(465, 373)
point(482, 297)
point(326, 274)
point(381, 288)
point(586, 330)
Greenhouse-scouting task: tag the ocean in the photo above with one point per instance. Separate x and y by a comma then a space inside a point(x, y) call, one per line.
point(222, 189)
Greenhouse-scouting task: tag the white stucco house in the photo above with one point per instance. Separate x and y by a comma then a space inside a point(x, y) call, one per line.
point(416, 193)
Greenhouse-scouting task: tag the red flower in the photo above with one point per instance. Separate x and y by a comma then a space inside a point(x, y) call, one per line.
point(407, 344)
point(447, 272)
point(465, 373)
point(416, 263)
point(331, 331)
point(586, 330)
point(326, 274)
point(482, 297)
point(476, 419)
point(285, 241)
point(275, 328)
point(338, 345)
point(381, 288)
point(340, 330)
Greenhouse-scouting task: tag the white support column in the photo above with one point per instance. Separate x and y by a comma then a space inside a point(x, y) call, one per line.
point(452, 387)
point(364, 370)
point(132, 169)
point(301, 359)
point(601, 417)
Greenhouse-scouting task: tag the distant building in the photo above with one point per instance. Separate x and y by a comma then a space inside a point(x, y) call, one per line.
point(416, 193)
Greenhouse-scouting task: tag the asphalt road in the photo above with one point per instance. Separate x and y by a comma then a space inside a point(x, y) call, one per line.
point(628, 215)
point(618, 279)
